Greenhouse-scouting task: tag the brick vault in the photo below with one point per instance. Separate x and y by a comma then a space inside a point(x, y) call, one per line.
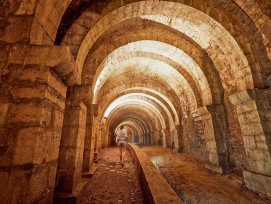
point(190, 75)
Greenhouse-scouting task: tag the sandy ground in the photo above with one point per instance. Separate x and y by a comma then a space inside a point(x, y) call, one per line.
point(195, 184)
point(113, 183)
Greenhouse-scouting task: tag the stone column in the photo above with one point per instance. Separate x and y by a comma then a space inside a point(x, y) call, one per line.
point(144, 138)
point(95, 133)
point(179, 130)
point(31, 128)
point(84, 93)
point(89, 139)
point(99, 135)
point(167, 141)
point(215, 133)
point(32, 106)
point(104, 137)
point(141, 139)
point(71, 147)
point(254, 114)
point(107, 142)
point(148, 138)
point(155, 137)
point(159, 138)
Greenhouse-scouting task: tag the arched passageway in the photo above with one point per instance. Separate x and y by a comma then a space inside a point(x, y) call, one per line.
point(189, 75)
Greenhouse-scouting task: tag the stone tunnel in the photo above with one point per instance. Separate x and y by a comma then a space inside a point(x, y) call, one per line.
point(189, 77)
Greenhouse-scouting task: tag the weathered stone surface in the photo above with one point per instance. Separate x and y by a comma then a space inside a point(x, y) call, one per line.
point(257, 182)
point(189, 75)
point(30, 138)
point(12, 25)
point(72, 147)
point(256, 142)
point(152, 182)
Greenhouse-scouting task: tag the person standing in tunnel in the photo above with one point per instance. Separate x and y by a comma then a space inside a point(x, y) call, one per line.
point(121, 141)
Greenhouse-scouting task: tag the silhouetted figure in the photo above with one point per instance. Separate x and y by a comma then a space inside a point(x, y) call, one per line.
point(121, 141)
point(173, 145)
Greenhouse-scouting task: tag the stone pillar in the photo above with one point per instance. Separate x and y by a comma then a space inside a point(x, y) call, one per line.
point(99, 135)
point(32, 105)
point(166, 135)
point(89, 139)
point(95, 132)
point(141, 139)
point(179, 130)
point(254, 114)
point(155, 137)
point(71, 147)
point(150, 138)
point(215, 133)
point(144, 138)
point(159, 138)
point(104, 137)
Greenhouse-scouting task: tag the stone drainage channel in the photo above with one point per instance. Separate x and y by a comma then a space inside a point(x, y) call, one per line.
point(195, 184)
point(152, 174)
point(181, 194)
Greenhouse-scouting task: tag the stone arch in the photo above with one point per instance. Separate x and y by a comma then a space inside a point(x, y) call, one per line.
point(198, 83)
point(201, 58)
point(146, 98)
point(140, 117)
point(165, 113)
point(112, 95)
point(151, 83)
point(241, 80)
point(168, 75)
point(134, 133)
point(25, 68)
point(136, 129)
point(242, 11)
point(136, 114)
point(142, 126)
point(146, 106)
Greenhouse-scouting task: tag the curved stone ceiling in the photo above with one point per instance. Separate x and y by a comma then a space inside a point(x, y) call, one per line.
point(172, 56)
point(146, 79)
point(210, 35)
point(154, 68)
point(136, 114)
point(140, 96)
point(159, 98)
point(124, 102)
point(134, 126)
point(140, 125)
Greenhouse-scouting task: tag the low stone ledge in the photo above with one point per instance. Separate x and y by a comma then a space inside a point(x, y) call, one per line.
point(154, 186)
point(257, 182)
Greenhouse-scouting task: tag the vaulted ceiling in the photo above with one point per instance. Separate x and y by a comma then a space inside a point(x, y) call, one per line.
point(151, 64)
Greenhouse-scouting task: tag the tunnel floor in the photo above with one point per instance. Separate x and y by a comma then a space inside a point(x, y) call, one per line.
point(113, 183)
point(195, 184)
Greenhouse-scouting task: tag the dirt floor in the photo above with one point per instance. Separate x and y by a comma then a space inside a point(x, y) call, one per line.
point(195, 184)
point(113, 183)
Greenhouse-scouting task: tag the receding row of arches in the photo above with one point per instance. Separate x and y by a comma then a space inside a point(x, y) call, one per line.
point(189, 75)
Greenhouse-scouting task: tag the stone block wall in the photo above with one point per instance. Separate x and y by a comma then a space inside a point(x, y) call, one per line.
point(32, 105)
point(237, 153)
point(253, 111)
point(72, 147)
point(89, 143)
point(193, 137)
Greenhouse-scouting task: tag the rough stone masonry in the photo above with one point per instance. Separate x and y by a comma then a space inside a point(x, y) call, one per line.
point(194, 76)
